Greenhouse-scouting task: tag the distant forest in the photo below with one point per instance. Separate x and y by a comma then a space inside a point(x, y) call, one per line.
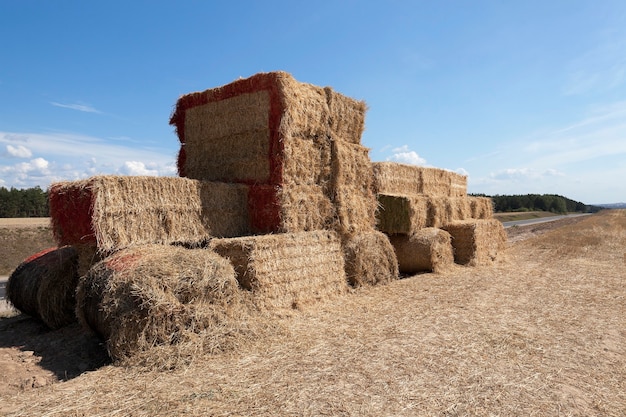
point(33, 202)
point(539, 202)
point(30, 202)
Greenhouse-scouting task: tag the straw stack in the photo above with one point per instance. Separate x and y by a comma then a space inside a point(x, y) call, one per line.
point(279, 136)
point(297, 145)
point(416, 202)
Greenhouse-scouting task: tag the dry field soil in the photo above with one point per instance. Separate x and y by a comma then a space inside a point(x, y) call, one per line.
point(540, 333)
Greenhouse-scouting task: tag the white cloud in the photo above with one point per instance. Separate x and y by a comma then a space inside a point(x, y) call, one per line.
point(462, 171)
point(138, 168)
point(77, 106)
point(19, 151)
point(62, 157)
point(405, 155)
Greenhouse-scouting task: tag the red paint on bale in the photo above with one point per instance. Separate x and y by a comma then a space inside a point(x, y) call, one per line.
point(259, 82)
point(264, 209)
point(71, 211)
point(38, 255)
point(123, 262)
point(181, 160)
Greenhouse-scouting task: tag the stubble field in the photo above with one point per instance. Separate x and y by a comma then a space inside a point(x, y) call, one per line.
point(541, 332)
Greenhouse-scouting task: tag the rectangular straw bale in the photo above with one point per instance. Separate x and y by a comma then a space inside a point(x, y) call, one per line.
point(289, 209)
point(461, 208)
point(403, 179)
point(482, 207)
point(353, 191)
point(287, 270)
point(435, 182)
point(458, 185)
point(396, 179)
point(369, 259)
point(346, 117)
point(477, 242)
point(440, 211)
point(426, 250)
point(444, 210)
point(112, 212)
point(401, 213)
point(243, 131)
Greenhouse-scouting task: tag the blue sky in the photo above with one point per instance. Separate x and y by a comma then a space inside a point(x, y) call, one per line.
point(522, 96)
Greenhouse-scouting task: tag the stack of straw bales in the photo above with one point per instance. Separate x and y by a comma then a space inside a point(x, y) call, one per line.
point(275, 208)
point(298, 147)
point(418, 205)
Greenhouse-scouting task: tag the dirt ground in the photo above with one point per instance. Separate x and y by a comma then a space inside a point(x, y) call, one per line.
point(541, 332)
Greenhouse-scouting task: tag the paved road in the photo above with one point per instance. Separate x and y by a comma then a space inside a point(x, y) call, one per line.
point(3, 286)
point(4, 305)
point(541, 220)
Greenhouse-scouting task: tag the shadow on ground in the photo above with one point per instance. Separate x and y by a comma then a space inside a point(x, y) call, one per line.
point(66, 352)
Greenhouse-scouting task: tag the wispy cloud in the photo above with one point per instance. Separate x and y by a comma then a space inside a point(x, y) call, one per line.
point(524, 174)
point(77, 106)
point(601, 134)
point(602, 68)
point(19, 151)
point(579, 160)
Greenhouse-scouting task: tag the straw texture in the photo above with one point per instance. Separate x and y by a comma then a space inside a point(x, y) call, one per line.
point(477, 242)
point(370, 259)
point(154, 295)
point(286, 271)
point(427, 250)
point(113, 212)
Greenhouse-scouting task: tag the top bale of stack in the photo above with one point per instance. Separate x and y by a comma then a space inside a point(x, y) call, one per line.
point(279, 136)
point(241, 132)
point(402, 179)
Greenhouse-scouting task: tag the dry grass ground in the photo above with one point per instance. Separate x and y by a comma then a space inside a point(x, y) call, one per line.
point(540, 333)
point(20, 238)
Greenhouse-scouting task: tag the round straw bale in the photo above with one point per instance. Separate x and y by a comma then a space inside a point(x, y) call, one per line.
point(43, 286)
point(428, 249)
point(370, 259)
point(155, 295)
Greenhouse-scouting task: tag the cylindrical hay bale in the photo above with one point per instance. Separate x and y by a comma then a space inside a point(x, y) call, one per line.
point(370, 259)
point(43, 286)
point(428, 249)
point(155, 295)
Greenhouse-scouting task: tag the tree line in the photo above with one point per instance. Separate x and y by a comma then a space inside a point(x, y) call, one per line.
point(33, 202)
point(29, 202)
point(539, 202)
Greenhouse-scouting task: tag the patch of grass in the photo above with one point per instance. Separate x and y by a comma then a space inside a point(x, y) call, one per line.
point(527, 215)
point(18, 243)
